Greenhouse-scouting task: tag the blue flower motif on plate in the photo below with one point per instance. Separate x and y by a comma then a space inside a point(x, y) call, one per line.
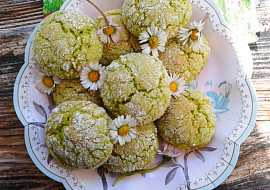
point(193, 83)
point(221, 101)
point(209, 83)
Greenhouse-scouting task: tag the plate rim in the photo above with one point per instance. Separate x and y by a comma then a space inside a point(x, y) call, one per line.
point(235, 156)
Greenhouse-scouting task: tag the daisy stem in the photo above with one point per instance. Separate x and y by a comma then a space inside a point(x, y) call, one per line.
point(138, 172)
point(205, 18)
point(105, 18)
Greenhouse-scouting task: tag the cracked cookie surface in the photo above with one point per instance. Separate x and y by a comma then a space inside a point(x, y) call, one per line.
point(127, 44)
point(181, 59)
point(136, 85)
point(65, 42)
point(166, 14)
point(72, 90)
point(77, 134)
point(189, 122)
point(136, 154)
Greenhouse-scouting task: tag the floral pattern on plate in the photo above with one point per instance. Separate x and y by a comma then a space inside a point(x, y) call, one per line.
point(206, 169)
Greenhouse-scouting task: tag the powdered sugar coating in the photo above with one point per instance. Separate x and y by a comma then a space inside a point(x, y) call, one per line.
point(72, 90)
point(77, 134)
point(189, 122)
point(181, 59)
point(127, 44)
point(136, 154)
point(166, 14)
point(66, 41)
point(136, 85)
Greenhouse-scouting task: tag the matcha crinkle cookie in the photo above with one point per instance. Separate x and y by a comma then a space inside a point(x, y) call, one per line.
point(166, 14)
point(136, 154)
point(72, 90)
point(127, 44)
point(189, 122)
point(181, 59)
point(77, 134)
point(65, 42)
point(136, 85)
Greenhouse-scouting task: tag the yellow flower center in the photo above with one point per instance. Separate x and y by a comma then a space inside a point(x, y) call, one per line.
point(108, 30)
point(153, 42)
point(48, 81)
point(124, 130)
point(193, 34)
point(93, 76)
point(173, 86)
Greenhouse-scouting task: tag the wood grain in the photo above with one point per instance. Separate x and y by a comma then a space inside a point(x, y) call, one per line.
point(18, 19)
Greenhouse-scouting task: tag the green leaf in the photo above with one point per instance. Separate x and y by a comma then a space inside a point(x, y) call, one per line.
point(247, 3)
point(50, 6)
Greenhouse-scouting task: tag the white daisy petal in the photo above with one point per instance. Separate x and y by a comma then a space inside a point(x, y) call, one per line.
point(170, 150)
point(143, 41)
point(119, 122)
point(144, 46)
point(86, 85)
point(161, 40)
point(132, 136)
point(121, 141)
point(155, 52)
point(116, 37)
point(185, 41)
point(84, 76)
point(121, 118)
point(144, 37)
point(128, 117)
point(180, 83)
point(159, 33)
point(94, 87)
point(126, 139)
point(161, 48)
point(114, 134)
point(102, 36)
point(146, 50)
point(56, 81)
point(185, 35)
point(112, 126)
point(41, 86)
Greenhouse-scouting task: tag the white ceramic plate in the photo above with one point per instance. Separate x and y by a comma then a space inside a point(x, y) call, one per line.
point(223, 80)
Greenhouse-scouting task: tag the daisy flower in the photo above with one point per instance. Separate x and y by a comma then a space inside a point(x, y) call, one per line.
point(92, 76)
point(177, 85)
point(192, 35)
point(109, 32)
point(45, 83)
point(153, 40)
point(170, 150)
point(122, 129)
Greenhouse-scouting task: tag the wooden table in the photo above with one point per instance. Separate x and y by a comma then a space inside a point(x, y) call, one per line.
point(17, 171)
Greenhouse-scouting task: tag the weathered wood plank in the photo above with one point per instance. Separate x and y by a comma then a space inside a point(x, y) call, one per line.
point(262, 10)
point(16, 15)
point(261, 84)
point(17, 171)
point(261, 56)
point(13, 45)
point(253, 167)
